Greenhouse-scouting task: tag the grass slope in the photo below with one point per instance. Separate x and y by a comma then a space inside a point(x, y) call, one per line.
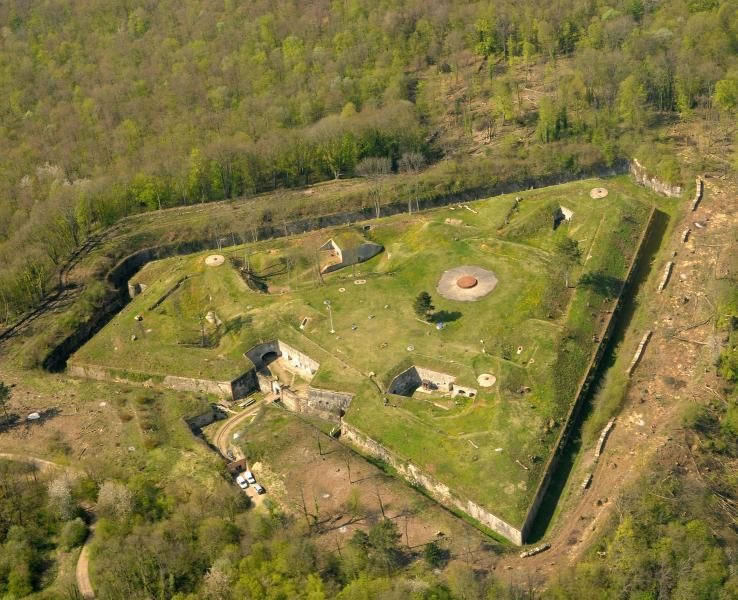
point(538, 334)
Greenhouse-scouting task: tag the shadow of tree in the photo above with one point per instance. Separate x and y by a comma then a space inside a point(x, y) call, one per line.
point(603, 284)
point(9, 422)
point(445, 316)
point(14, 420)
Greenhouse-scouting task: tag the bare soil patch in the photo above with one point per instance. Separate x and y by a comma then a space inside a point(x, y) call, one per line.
point(337, 492)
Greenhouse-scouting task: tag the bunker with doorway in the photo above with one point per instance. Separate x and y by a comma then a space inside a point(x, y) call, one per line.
point(419, 379)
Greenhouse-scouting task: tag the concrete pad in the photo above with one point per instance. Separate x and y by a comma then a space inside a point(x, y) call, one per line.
point(458, 283)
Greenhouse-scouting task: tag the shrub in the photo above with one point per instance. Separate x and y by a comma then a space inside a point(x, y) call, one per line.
point(19, 582)
point(73, 534)
point(433, 555)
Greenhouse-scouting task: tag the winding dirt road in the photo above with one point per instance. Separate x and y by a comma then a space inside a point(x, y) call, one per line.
point(84, 585)
point(41, 463)
point(223, 436)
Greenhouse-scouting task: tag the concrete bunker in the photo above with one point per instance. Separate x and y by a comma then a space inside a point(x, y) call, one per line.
point(290, 359)
point(562, 215)
point(345, 249)
point(419, 379)
point(134, 289)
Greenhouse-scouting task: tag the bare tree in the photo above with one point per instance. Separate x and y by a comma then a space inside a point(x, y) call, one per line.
point(375, 168)
point(412, 163)
point(304, 509)
point(381, 504)
point(217, 584)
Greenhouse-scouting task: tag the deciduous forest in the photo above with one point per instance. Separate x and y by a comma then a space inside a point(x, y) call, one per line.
point(112, 108)
point(119, 107)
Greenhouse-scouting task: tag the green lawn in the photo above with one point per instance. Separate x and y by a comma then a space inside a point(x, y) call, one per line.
point(537, 333)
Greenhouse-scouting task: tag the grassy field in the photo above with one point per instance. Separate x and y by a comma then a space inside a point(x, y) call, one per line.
point(534, 332)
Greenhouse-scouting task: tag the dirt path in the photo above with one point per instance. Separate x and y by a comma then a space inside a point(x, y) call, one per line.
point(627, 452)
point(41, 463)
point(223, 436)
point(83, 562)
point(84, 585)
point(669, 375)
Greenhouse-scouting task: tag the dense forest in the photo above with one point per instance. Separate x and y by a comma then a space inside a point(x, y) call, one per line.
point(112, 108)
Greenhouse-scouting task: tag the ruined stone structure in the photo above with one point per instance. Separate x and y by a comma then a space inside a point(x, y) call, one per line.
point(289, 358)
point(419, 379)
point(345, 250)
point(643, 178)
point(665, 278)
point(699, 188)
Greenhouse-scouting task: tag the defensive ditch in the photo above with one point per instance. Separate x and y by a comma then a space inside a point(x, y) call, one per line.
point(561, 457)
point(118, 277)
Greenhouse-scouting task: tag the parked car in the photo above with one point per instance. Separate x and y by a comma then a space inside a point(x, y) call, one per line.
point(249, 477)
point(259, 488)
point(242, 482)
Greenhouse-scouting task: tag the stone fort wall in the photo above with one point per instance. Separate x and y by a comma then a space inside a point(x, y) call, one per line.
point(434, 488)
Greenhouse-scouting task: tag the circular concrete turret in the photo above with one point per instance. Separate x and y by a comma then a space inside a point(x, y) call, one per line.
point(466, 282)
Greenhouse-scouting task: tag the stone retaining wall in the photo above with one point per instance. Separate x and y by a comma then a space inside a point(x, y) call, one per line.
point(204, 419)
point(297, 361)
point(329, 400)
point(413, 377)
point(309, 406)
point(589, 373)
point(643, 178)
point(228, 390)
point(434, 488)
